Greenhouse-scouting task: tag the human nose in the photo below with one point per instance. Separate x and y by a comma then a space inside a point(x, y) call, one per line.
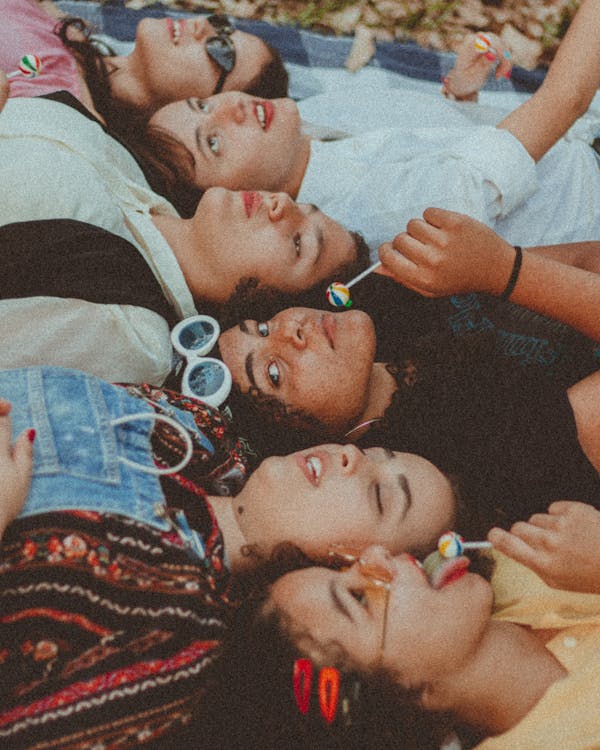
point(202, 29)
point(352, 458)
point(230, 109)
point(292, 332)
point(280, 205)
point(376, 563)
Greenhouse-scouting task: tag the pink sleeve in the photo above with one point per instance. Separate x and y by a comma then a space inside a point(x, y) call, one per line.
point(27, 29)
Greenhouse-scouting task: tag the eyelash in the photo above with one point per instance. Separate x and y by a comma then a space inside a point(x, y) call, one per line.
point(262, 329)
point(213, 144)
point(297, 244)
point(378, 498)
point(360, 597)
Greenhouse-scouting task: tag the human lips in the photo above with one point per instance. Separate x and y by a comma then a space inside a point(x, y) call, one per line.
point(175, 26)
point(252, 202)
point(311, 465)
point(264, 112)
point(443, 571)
point(329, 326)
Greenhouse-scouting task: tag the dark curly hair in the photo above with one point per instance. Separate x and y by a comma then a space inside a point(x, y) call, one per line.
point(251, 701)
point(256, 301)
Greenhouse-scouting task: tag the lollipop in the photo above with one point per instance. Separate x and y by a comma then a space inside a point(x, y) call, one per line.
point(30, 66)
point(338, 294)
point(483, 44)
point(452, 544)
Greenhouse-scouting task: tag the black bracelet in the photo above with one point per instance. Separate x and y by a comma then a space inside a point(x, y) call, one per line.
point(512, 282)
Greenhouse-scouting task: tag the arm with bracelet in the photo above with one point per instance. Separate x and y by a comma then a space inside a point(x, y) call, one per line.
point(447, 253)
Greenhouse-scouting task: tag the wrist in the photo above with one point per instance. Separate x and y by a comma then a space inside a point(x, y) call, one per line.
point(514, 274)
point(451, 90)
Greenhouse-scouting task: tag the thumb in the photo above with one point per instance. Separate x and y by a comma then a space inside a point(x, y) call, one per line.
point(22, 452)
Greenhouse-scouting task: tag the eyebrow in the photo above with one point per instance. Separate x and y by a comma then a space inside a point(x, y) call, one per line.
point(339, 605)
point(249, 367)
point(404, 485)
point(319, 236)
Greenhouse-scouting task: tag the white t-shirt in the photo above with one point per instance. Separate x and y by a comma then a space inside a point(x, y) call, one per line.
point(377, 181)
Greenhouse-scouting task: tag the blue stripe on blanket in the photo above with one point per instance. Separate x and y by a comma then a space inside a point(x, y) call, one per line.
point(300, 47)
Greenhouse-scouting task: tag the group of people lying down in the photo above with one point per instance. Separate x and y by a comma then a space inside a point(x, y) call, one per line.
point(266, 573)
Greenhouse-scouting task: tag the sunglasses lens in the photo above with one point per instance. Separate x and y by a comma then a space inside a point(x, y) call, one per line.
point(196, 335)
point(206, 378)
point(220, 22)
point(221, 50)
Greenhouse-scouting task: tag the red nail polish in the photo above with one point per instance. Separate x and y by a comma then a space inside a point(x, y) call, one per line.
point(31, 435)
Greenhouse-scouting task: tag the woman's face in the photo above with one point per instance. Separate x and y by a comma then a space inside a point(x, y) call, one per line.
point(270, 237)
point(310, 360)
point(238, 141)
point(347, 496)
point(428, 632)
point(175, 65)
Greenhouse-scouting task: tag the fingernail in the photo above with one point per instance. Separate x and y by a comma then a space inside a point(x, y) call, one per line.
point(491, 56)
point(507, 74)
point(31, 435)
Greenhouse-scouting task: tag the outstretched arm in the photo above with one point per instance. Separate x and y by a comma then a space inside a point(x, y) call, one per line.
point(15, 468)
point(562, 546)
point(449, 253)
point(570, 84)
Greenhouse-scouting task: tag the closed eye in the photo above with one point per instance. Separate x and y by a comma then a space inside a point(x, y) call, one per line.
point(297, 244)
point(198, 105)
point(378, 499)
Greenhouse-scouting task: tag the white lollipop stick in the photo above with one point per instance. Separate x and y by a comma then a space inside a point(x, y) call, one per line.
point(477, 545)
point(362, 275)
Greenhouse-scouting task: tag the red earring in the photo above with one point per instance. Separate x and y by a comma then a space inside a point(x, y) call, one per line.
point(329, 689)
point(302, 679)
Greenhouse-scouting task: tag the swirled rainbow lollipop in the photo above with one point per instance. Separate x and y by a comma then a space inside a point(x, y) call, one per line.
point(338, 293)
point(452, 544)
point(30, 66)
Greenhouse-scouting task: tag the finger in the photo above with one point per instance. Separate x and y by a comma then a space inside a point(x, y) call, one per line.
point(442, 218)
point(422, 231)
point(23, 456)
point(5, 434)
point(5, 406)
point(400, 268)
point(504, 69)
point(514, 547)
point(413, 249)
point(534, 536)
point(543, 521)
point(561, 507)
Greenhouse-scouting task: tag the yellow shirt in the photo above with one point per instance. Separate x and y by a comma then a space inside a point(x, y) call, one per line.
point(568, 715)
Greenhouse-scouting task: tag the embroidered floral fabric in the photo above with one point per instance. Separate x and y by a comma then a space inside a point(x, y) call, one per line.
point(221, 461)
point(106, 629)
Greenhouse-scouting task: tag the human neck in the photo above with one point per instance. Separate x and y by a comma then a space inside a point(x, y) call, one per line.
point(379, 395)
point(184, 240)
point(506, 678)
point(233, 538)
point(126, 85)
point(293, 183)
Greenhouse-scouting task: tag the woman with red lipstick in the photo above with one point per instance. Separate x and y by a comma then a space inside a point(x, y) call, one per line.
point(377, 656)
point(172, 59)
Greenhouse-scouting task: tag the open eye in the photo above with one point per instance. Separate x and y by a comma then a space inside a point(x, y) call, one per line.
point(273, 373)
point(197, 104)
point(213, 143)
point(263, 329)
point(297, 244)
